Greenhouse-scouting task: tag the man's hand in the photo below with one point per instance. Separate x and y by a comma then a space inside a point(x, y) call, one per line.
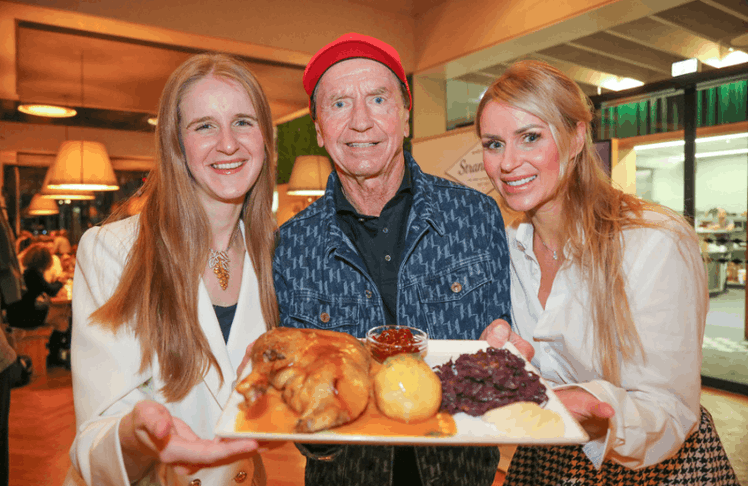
point(499, 332)
point(592, 414)
point(150, 433)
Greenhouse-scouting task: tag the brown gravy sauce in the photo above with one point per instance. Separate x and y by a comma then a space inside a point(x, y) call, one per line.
point(271, 415)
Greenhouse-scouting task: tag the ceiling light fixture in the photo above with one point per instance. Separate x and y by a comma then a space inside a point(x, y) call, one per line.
point(66, 195)
point(42, 207)
point(82, 165)
point(49, 111)
point(687, 66)
point(619, 84)
point(733, 58)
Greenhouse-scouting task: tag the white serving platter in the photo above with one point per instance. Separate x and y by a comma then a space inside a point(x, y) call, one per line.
point(470, 430)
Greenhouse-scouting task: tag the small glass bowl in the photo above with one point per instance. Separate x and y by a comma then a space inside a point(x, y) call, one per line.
point(389, 340)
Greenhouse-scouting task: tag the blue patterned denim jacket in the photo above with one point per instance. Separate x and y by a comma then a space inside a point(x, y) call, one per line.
point(453, 281)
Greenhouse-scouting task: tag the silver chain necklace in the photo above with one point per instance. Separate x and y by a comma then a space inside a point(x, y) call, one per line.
point(555, 254)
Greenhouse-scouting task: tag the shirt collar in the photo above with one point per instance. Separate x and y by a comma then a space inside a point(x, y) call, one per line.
point(523, 237)
point(343, 206)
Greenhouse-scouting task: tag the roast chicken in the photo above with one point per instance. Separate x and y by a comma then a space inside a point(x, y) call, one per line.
point(322, 375)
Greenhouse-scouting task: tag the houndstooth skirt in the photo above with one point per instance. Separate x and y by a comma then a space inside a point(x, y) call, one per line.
point(700, 461)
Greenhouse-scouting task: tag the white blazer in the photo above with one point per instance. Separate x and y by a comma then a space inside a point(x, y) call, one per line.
point(107, 382)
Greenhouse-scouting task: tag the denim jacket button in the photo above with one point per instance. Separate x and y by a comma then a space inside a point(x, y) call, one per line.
point(456, 287)
point(368, 294)
point(324, 317)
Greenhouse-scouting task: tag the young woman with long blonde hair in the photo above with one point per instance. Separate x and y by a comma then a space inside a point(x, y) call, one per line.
point(166, 302)
point(610, 290)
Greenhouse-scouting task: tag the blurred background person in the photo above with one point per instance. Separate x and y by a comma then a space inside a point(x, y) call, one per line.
point(723, 222)
point(61, 243)
point(54, 272)
point(64, 251)
point(31, 311)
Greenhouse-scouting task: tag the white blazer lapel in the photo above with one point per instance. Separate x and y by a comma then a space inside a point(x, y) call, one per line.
point(248, 325)
point(209, 324)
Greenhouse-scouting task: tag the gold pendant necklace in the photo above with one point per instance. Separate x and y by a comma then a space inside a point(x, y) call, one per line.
point(219, 261)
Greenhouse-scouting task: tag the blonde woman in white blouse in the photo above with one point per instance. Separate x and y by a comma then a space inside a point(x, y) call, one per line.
point(609, 289)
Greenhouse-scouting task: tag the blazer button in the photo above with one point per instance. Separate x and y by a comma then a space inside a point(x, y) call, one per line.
point(240, 477)
point(324, 317)
point(195, 482)
point(456, 287)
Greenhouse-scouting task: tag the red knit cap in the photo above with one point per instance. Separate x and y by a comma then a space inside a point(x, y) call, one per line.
point(351, 46)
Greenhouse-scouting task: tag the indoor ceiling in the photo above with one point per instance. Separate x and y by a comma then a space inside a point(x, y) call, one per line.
point(115, 82)
point(407, 7)
point(643, 49)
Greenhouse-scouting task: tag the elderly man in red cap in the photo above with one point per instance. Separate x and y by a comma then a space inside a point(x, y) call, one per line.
point(388, 244)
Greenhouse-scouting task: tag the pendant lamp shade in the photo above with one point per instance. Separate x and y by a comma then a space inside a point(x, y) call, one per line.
point(42, 207)
point(82, 166)
point(70, 194)
point(309, 175)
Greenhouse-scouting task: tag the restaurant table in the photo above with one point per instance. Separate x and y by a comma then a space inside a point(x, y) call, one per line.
point(60, 312)
point(33, 343)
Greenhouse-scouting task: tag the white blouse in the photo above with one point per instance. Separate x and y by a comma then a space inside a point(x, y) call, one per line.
point(657, 404)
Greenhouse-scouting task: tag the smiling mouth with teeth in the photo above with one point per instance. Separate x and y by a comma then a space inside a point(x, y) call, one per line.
point(520, 181)
point(227, 166)
point(362, 144)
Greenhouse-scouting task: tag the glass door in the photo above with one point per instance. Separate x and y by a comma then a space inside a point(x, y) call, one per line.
point(688, 149)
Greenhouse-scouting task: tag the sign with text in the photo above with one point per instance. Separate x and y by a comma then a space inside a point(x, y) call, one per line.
point(468, 170)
